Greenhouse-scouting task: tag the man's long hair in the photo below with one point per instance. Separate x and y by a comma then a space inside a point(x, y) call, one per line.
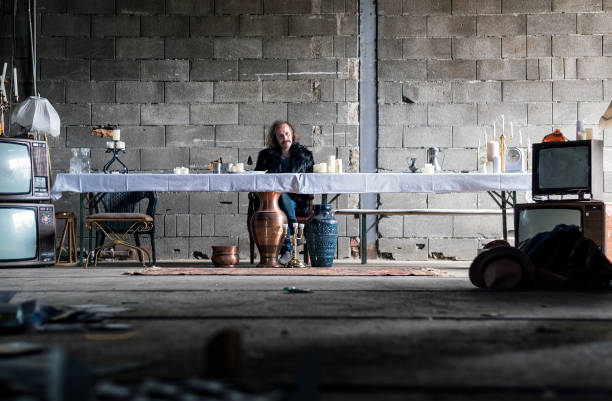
point(271, 141)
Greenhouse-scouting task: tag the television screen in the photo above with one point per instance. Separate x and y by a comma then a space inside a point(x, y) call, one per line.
point(564, 167)
point(536, 220)
point(15, 168)
point(18, 224)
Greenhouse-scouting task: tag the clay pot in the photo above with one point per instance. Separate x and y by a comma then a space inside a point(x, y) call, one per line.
point(267, 228)
point(225, 256)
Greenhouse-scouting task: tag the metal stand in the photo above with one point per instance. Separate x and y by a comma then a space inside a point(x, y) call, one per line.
point(115, 152)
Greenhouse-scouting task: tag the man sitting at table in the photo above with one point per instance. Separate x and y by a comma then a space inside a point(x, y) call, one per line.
point(284, 154)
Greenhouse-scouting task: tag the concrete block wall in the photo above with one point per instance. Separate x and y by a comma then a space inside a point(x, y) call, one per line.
point(542, 64)
point(188, 81)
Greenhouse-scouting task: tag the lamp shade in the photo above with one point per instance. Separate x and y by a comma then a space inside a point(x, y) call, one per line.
point(606, 119)
point(37, 114)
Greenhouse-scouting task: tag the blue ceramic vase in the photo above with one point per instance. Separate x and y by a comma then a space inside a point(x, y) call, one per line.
point(322, 236)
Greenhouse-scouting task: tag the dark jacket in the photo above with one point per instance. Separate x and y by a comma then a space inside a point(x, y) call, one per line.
point(301, 162)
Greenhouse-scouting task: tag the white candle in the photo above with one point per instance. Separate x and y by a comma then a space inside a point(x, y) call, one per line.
point(497, 164)
point(331, 164)
point(285, 227)
point(3, 78)
point(110, 145)
point(338, 165)
point(302, 226)
point(492, 150)
point(15, 86)
point(503, 123)
point(589, 133)
point(295, 226)
point(494, 130)
point(428, 168)
point(120, 145)
point(116, 135)
point(240, 167)
point(520, 138)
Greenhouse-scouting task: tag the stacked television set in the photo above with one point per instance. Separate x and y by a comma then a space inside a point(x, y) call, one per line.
point(567, 186)
point(27, 216)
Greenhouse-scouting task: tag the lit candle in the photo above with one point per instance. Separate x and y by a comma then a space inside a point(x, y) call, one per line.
point(116, 135)
point(110, 145)
point(15, 86)
point(121, 145)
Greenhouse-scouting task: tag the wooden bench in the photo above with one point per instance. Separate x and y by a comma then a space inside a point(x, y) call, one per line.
point(380, 213)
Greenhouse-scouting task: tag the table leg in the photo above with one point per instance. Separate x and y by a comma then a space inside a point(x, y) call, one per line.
point(81, 227)
point(504, 215)
point(364, 240)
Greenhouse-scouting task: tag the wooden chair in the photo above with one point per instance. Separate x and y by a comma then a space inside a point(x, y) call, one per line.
point(253, 206)
point(117, 220)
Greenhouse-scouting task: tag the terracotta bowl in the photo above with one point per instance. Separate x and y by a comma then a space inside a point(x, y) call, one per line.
point(225, 256)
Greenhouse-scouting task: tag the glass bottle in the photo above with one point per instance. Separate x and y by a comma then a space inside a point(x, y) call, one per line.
point(85, 161)
point(75, 162)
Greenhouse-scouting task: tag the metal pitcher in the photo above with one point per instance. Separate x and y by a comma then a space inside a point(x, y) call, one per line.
point(432, 157)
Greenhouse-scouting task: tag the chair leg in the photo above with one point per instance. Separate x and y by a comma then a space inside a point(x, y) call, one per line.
point(152, 234)
point(137, 241)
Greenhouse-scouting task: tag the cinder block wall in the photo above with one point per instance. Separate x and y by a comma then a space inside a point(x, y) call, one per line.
point(543, 64)
point(188, 81)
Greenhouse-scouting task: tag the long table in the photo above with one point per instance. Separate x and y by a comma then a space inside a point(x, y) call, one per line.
point(358, 183)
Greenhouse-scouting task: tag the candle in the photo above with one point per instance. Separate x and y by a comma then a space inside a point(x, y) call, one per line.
point(285, 228)
point(520, 138)
point(589, 133)
point(338, 165)
point(503, 122)
point(494, 131)
point(428, 168)
point(497, 164)
point(15, 86)
point(116, 135)
point(331, 164)
point(302, 226)
point(110, 145)
point(2, 86)
point(492, 150)
point(240, 167)
point(295, 226)
point(121, 145)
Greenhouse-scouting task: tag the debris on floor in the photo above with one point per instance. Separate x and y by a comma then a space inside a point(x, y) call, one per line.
point(295, 290)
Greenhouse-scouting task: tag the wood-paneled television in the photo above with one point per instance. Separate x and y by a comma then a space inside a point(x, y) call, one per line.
point(24, 170)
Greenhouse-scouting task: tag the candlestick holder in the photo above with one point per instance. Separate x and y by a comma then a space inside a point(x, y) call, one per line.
point(115, 158)
point(298, 233)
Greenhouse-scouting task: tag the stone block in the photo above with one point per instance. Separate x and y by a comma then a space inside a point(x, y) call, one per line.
point(298, 48)
point(289, 7)
point(312, 69)
point(190, 136)
point(240, 135)
point(239, 7)
point(424, 137)
point(451, 26)
point(189, 7)
point(90, 92)
point(262, 70)
point(389, 7)
point(525, 6)
point(212, 114)
point(54, 91)
point(164, 26)
point(539, 113)
point(230, 225)
point(73, 114)
point(576, 45)
point(577, 90)
point(547, 24)
point(389, 92)
point(453, 248)
point(539, 46)
point(402, 201)
point(195, 225)
point(417, 7)
point(69, 70)
point(214, 70)
point(594, 67)
point(476, 92)
point(140, 92)
point(211, 26)
point(403, 249)
point(501, 25)
point(143, 136)
point(170, 225)
point(514, 112)
point(189, 92)
point(313, 25)
point(216, 203)
point(172, 248)
point(128, 114)
point(514, 47)
point(467, 137)
point(545, 67)
point(348, 113)
point(607, 45)
point(589, 24)
point(235, 48)
point(451, 69)
point(140, 7)
point(115, 70)
point(165, 70)
point(182, 225)
point(117, 25)
point(402, 114)
point(476, 48)
point(428, 226)
point(590, 112)
point(135, 48)
point(264, 25)
point(533, 69)
point(153, 159)
point(428, 91)
point(98, 48)
point(391, 226)
point(65, 25)
point(397, 160)
point(237, 91)
point(262, 113)
point(172, 202)
point(507, 69)
point(423, 48)
point(401, 70)
point(80, 137)
point(164, 114)
point(457, 160)
point(527, 91)
point(478, 7)
point(191, 48)
point(451, 114)
point(565, 113)
point(312, 113)
point(287, 91)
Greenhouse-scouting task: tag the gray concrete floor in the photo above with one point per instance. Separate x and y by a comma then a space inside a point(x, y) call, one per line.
point(421, 338)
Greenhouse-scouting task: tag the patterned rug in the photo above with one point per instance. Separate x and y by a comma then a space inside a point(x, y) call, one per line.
point(307, 271)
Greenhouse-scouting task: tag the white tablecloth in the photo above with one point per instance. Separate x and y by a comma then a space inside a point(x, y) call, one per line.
point(296, 183)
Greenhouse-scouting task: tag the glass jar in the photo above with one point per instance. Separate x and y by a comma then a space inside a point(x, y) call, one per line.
point(75, 162)
point(85, 161)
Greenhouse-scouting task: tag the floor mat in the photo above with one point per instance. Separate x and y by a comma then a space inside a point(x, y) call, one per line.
point(306, 271)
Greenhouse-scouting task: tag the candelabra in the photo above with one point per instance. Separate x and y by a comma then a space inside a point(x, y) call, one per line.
point(115, 158)
point(298, 233)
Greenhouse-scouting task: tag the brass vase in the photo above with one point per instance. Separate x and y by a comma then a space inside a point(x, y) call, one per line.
point(225, 256)
point(267, 228)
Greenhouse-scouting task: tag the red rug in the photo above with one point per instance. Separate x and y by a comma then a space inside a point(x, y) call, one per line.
point(307, 271)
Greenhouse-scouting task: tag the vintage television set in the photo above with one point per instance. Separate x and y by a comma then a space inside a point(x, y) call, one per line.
point(27, 234)
point(24, 170)
point(593, 217)
point(573, 168)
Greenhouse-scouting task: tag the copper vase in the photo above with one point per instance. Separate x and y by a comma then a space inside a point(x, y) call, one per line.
point(267, 228)
point(225, 256)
